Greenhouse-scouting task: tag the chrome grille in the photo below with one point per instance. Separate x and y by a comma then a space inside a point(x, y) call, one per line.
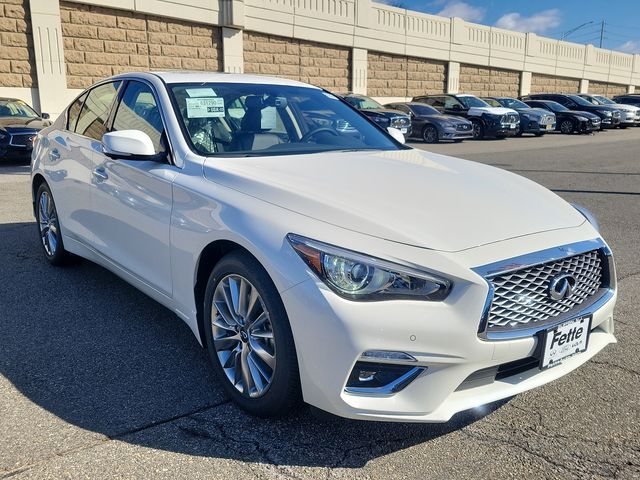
point(511, 118)
point(547, 120)
point(521, 296)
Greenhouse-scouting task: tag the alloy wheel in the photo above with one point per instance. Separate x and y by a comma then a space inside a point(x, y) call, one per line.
point(430, 134)
point(48, 222)
point(243, 336)
point(566, 126)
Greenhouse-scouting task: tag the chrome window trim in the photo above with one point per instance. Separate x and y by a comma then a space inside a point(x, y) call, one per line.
point(537, 258)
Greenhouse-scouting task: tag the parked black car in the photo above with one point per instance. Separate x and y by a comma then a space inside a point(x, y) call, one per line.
point(609, 116)
point(628, 99)
point(487, 121)
point(432, 126)
point(568, 121)
point(19, 123)
point(382, 116)
point(532, 120)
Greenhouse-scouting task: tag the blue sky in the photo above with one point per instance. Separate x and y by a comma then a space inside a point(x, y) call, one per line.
point(549, 18)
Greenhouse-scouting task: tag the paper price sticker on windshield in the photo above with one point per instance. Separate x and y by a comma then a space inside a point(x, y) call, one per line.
point(205, 107)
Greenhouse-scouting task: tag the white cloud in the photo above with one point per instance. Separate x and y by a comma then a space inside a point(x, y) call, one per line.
point(632, 46)
point(463, 10)
point(536, 23)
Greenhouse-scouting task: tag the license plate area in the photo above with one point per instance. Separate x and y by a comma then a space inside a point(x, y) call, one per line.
point(564, 341)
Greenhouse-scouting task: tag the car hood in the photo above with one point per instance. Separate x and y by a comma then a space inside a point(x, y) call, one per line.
point(491, 110)
point(583, 113)
point(408, 196)
point(21, 122)
point(626, 108)
point(445, 118)
point(539, 112)
point(387, 112)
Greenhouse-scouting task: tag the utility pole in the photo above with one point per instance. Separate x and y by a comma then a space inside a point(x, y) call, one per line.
point(601, 33)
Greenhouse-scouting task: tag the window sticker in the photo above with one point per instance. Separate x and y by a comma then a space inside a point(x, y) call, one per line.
point(205, 107)
point(268, 118)
point(200, 92)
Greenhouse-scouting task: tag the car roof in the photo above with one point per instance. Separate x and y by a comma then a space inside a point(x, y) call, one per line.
point(10, 99)
point(173, 77)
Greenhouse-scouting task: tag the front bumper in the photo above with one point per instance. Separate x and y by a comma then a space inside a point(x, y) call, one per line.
point(450, 133)
point(610, 122)
point(441, 336)
point(533, 126)
point(503, 130)
point(15, 153)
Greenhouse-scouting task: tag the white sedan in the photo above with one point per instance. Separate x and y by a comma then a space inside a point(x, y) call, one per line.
point(314, 255)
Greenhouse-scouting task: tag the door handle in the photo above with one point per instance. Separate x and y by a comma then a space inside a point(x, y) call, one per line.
point(100, 174)
point(54, 155)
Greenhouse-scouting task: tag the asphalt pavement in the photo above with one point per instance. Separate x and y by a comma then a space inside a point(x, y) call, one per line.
point(99, 381)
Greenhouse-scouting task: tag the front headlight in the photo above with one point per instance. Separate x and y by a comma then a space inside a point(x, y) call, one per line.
point(582, 119)
point(607, 113)
point(355, 276)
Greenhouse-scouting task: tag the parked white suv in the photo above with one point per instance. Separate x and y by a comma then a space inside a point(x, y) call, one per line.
point(316, 257)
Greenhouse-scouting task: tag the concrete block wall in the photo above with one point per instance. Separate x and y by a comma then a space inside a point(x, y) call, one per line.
point(50, 49)
point(100, 42)
point(17, 58)
point(606, 89)
point(549, 84)
point(391, 76)
point(489, 81)
point(324, 65)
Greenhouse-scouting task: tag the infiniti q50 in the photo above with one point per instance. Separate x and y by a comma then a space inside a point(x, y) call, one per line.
point(315, 256)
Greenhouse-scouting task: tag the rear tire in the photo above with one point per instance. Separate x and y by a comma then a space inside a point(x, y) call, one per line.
point(48, 225)
point(249, 338)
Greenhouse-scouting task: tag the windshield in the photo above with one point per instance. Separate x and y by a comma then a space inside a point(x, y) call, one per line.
point(363, 103)
point(604, 100)
point(470, 101)
point(580, 101)
point(424, 110)
point(16, 108)
point(492, 102)
point(254, 119)
point(513, 103)
point(555, 106)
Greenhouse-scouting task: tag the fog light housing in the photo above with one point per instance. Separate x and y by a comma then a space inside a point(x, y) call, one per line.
point(370, 378)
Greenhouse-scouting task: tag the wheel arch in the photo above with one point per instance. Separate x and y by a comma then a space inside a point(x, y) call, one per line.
point(209, 257)
point(38, 179)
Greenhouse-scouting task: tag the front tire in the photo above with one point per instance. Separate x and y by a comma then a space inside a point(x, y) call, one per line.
point(249, 338)
point(49, 228)
point(430, 134)
point(478, 130)
point(567, 127)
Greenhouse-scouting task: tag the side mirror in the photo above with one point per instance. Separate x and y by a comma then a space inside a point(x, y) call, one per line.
point(45, 116)
point(128, 145)
point(396, 134)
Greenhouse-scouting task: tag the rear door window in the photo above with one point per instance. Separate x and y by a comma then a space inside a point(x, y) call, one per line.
point(95, 111)
point(74, 112)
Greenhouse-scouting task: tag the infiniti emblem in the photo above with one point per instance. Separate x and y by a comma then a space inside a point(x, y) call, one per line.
point(561, 286)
